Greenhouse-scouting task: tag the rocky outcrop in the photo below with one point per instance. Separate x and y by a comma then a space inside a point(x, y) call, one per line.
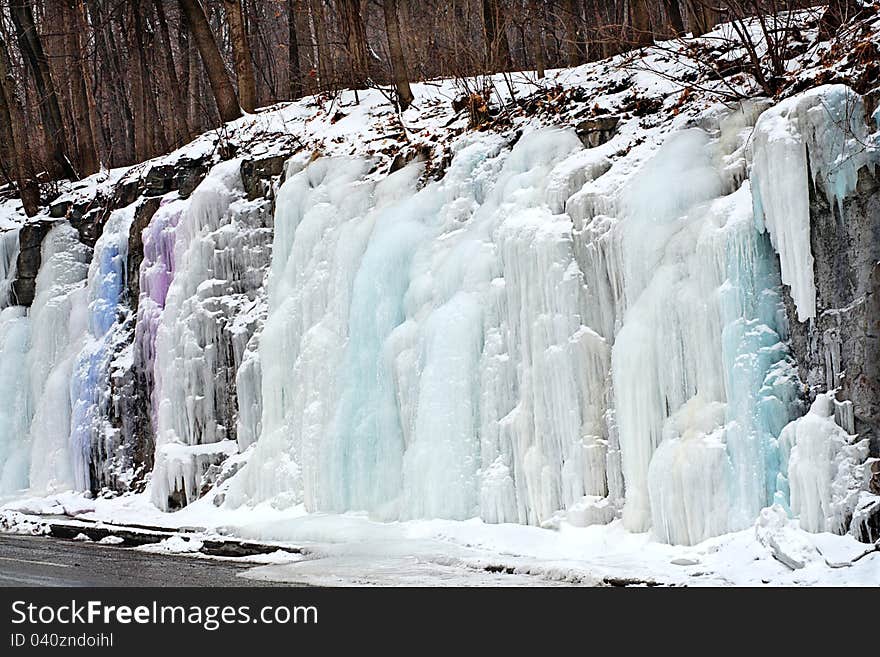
point(597, 131)
point(87, 216)
point(841, 347)
point(30, 240)
point(142, 217)
point(129, 414)
point(182, 176)
point(257, 174)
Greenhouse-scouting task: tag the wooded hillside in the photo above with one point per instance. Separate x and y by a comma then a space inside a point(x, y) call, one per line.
point(92, 83)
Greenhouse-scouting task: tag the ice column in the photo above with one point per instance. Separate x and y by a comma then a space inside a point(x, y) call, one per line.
point(220, 252)
point(90, 378)
point(826, 468)
point(15, 411)
point(59, 319)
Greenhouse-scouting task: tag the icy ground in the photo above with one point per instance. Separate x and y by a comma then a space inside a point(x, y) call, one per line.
point(353, 550)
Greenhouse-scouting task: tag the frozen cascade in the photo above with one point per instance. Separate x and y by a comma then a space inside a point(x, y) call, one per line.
point(430, 291)
point(465, 305)
point(819, 139)
point(667, 347)
point(59, 320)
point(8, 256)
point(323, 220)
point(205, 279)
point(91, 435)
point(155, 276)
point(702, 331)
point(545, 333)
point(15, 412)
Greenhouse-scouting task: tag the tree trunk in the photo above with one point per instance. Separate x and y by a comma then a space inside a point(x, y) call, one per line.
point(673, 17)
point(156, 121)
point(398, 63)
point(294, 71)
point(241, 51)
point(702, 17)
point(221, 85)
point(575, 50)
point(89, 78)
point(355, 41)
point(9, 160)
point(87, 154)
point(181, 128)
point(640, 23)
point(137, 93)
point(117, 140)
point(194, 114)
point(497, 47)
point(15, 147)
point(323, 61)
point(50, 111)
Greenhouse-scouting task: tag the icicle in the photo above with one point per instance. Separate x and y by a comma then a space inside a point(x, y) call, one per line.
point(817, 138)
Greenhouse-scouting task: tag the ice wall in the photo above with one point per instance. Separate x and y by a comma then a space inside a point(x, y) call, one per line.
point(206, 262)
point(93, 439)
point(59, 321)
point(513, 342)
point(546, 333)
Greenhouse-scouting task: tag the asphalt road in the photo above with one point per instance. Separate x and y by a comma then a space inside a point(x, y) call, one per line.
point(42, 561)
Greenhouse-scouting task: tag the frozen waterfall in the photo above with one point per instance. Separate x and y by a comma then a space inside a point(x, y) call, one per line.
point(544, 333)
point(524, 339)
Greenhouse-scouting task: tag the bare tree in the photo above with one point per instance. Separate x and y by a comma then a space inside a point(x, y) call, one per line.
point(495, 30)
point(181, 129)
point(325, 68)
point(50, 111)
point(241, 51)
point(702, 16)
point(79, 82)
point(674, 18)
point(575, 43)
point(352, 24)
point(640, 23)
point(15, 150)
point(535, 18)
point(398, 62)
point(221, 85)
point(294, 71)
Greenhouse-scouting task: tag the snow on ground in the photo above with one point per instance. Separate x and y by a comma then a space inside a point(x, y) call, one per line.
point(354, 550)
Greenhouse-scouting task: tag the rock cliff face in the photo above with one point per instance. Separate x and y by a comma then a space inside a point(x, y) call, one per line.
point(840, 348)
point(30, 239)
